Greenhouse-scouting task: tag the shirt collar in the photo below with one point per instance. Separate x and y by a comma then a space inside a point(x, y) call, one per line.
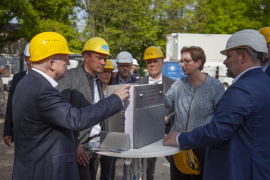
point(239, 75)
point(152, 81)
point(87, 73)
point(265, 66)
point(51, 80)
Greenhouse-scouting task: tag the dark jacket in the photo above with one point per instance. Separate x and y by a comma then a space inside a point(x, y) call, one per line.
point(8, 129)
point(44, 123)
point(267, 71)
point(132, 80)
point(238, 137)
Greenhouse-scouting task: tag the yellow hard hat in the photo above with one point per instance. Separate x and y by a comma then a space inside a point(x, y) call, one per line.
point(97, 44)
point(266, 33)
point(109, 65)
point(46, 44)
point(187, 162)
point(153, 52)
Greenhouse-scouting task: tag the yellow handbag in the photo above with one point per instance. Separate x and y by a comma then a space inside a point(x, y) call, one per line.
point(187, 162)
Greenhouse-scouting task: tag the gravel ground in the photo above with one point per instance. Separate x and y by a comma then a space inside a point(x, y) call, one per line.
point(162, 171)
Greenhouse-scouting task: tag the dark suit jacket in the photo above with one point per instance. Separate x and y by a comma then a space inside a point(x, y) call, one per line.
point(169, 112)
point(267, 71)
point(132, 80)
point(43, 129)
point(8, 129)
point(76, 89)
point(238, 137)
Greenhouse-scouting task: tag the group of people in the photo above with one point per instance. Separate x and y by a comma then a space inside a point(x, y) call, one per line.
point(61, 110)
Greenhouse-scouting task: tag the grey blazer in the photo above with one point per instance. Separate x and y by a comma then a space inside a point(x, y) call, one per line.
point(169, 112)
point(76, 89)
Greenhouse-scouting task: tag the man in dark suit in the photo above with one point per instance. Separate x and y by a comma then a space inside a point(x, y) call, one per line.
point(8, 128)
point(237, 139)
point(45, 147)
point(154, 62)
point(82, 87)
point(266, 62)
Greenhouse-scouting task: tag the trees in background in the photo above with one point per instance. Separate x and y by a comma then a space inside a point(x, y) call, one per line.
point(37, 16)
point(132, 25)
point(129, 25)
point(230, 16)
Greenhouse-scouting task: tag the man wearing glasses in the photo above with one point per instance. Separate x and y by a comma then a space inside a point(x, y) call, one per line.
point(154, 62)
point(124, 62)
point(43, 121)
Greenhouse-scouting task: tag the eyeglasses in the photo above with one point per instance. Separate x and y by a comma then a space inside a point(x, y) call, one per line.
point(184, 62)
point(122, 66)
point(106, 72)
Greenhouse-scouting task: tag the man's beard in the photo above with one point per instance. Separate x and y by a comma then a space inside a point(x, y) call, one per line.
point(266, 59)
point(229, 73)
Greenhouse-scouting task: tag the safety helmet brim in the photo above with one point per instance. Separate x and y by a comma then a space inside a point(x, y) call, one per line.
point(247, 37)
point(47, 44)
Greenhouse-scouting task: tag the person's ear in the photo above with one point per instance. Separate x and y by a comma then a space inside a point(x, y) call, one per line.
point(243, 57)
point(51, 64)
point(199, 63)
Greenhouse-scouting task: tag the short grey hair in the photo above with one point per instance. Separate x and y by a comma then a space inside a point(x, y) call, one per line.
point(241, 50)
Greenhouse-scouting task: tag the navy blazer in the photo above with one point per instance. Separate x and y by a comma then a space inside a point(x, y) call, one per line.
point(238, 137)
point(132, 80)
point(267, 71)
point(8, 128)
point(44, 122)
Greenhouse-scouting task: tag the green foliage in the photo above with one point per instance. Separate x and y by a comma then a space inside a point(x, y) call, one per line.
point(37, 16)
point(132, 25)
point(126, 25)
point(230, 16)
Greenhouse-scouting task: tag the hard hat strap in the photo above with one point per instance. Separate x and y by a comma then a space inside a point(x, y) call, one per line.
point(254, 53)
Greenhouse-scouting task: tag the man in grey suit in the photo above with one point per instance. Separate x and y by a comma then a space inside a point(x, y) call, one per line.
point(45, 147)
point(154, 62)
point(82, 87)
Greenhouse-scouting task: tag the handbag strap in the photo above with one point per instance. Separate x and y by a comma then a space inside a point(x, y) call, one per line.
point(189, 108)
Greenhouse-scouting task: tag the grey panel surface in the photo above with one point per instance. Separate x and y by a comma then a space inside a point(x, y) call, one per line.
point(114, 140)
point(114, 123)
point(148, 117)
point(149, 126)
point(148, 95)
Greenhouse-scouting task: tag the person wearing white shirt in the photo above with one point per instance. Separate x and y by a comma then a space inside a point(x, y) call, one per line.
point(154, 62)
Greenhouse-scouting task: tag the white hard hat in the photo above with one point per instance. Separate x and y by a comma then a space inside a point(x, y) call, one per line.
point(26, 50)
point(124, 57)
point(135, 62)
point(247, 37)
point(114, 65)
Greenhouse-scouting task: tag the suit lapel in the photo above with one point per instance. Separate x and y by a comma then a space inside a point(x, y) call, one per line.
point(165, 83)
point(85, 84)
point(267, 71)
point(146, 80)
